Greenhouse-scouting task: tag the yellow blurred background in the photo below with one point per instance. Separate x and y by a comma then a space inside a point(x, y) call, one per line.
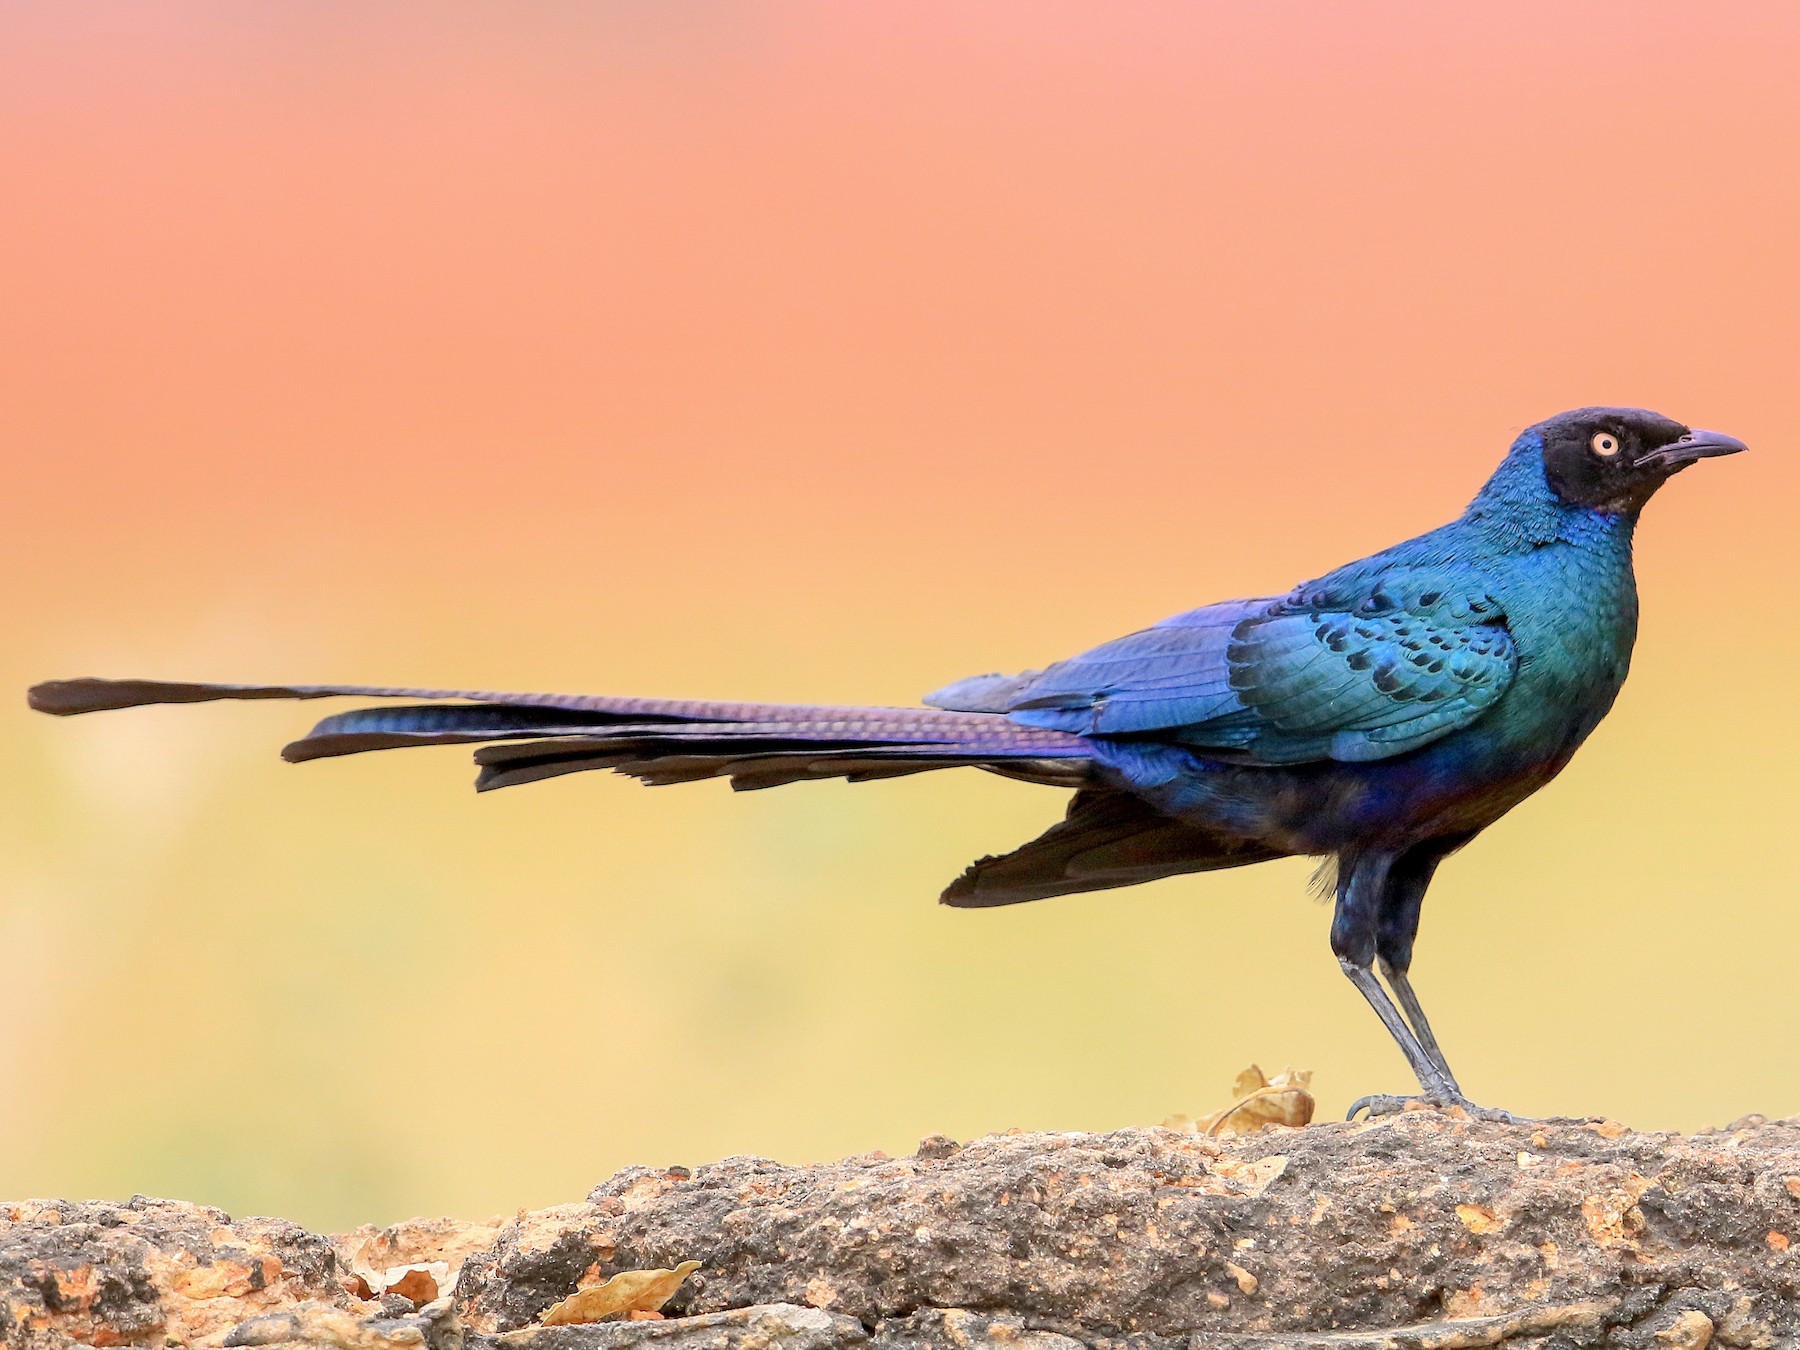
point(828, 352)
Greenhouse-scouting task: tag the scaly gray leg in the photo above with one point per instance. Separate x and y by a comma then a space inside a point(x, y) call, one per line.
point(1377, 915)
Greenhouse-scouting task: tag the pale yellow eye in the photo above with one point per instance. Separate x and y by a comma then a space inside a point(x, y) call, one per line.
point(1604, 444)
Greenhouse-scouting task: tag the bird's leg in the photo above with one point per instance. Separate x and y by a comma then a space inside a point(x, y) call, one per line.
point(1377, 915)
point(1431, 1078)
point(1415, 1017)
point(1361, 885)
point(1396, 926)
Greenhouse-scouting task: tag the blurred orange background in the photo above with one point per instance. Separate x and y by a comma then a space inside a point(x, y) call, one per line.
point(828, 352)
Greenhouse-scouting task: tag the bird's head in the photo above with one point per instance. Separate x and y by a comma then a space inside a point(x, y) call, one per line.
point(1614, 459)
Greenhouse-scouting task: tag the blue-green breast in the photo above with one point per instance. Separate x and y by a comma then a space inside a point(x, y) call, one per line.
point(1572, 608)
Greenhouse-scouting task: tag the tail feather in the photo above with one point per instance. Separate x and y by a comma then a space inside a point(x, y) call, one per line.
point(771, 756)
point(352, 733)
point(656, 740)
point(69, 698)
point(1108, 839)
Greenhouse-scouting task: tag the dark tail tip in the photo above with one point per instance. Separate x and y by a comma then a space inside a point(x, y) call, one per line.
point(66, 698)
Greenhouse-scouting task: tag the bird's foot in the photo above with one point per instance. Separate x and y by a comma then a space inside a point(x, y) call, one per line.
point(1385, 1104)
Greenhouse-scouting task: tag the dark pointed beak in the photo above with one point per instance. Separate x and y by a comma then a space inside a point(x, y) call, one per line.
point(1692, 446)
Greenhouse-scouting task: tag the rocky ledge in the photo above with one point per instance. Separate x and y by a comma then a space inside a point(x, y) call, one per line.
point(1417, 1231)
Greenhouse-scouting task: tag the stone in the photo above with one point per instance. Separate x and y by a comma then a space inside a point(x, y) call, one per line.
point(1408, 1221)
point(147, 1272)
point(1418, 1230)
point(779, 1326)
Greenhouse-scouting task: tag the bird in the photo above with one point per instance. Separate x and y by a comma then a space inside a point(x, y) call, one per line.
point(1378, 717)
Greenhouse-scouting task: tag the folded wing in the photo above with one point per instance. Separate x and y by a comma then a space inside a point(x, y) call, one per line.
point(1349, 668)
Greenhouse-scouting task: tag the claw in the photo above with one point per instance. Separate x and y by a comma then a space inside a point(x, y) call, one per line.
point(1386, 1104)
point(1378, 1104)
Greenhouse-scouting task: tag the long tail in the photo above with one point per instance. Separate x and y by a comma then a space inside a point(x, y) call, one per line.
point(526, 737)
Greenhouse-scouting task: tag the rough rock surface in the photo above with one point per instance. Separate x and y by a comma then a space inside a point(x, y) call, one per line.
point(149, 1272)
point(1415, 1231)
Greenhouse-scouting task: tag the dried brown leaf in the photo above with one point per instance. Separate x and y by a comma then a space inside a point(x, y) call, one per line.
point(1261, 1100)
point(420, 1281)
point(414, 1242)
point(627, 1292)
